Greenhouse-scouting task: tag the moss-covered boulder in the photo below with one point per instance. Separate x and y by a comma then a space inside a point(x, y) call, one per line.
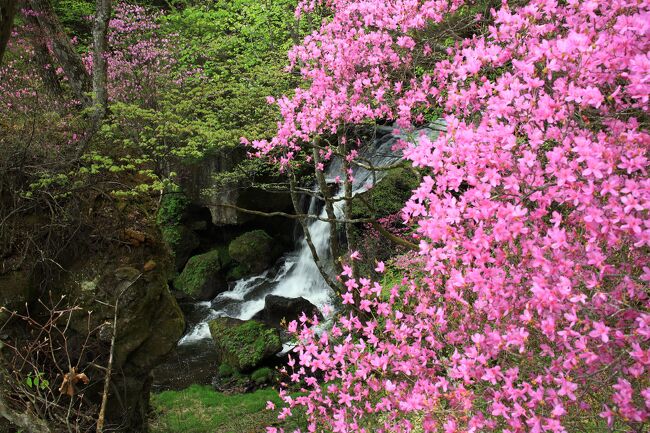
point(149, 325)
point(244, 345)
point(204, 275)
point(255, 251)
point(181, 241)
point(262, 376)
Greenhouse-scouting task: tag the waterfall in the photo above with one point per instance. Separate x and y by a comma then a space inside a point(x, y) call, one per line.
point(296, 274)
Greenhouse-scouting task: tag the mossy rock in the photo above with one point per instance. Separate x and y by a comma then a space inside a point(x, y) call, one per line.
point(255, 251)
point(204, 275)
point(388, 196)
point(244, 345)
point(236, 273)
point(181, 241)
point(262, 376)
point(173, 206)
point(226, 370)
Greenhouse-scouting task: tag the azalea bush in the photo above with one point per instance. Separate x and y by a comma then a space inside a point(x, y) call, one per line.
point(528, 310)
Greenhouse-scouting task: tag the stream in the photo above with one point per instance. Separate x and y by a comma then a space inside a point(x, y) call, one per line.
point(294, 275)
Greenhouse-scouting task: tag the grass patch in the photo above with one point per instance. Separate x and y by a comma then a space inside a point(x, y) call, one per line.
point(200, 409)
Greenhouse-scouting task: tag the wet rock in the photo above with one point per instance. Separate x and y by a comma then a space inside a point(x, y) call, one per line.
point(279, 310)
point(244, 345)
point(255, 251)
point(204, 275)
point(150, 322)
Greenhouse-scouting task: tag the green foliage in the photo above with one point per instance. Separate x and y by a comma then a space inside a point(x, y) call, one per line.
point(236, 52)
point(244, 345)
point(388, 196)
point(200, 409)
point(37, 381)
point(74, 14)
point(172, 207)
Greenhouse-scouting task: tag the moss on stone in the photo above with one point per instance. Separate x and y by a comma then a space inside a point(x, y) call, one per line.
point(226, 370)
point(202, 271)
point(237, 273)
point(181, 240)
point(244, 345)
point(262, 375)
point(172, 207)
point(254, 250)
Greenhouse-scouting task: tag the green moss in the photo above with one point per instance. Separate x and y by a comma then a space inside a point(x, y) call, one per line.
point(201, 270)
point(388, 196)
point(180, 239)
point(254, 250)
point(237, 273)
point(172, 235)
point(262, 375)
point(226, 370)
point(200, 409)
point(244, 344)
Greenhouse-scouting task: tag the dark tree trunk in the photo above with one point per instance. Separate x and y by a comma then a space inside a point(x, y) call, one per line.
point(7, 13)
point(63, 50)
point(100, 46)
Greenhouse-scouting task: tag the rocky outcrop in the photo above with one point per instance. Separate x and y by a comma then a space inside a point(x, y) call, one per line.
point(279, 310)
point(197, 180)
point(244, 345)
point(204, 275)
point(182, 241)
point(149, 324)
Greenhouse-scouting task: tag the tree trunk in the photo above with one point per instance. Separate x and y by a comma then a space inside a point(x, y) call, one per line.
point(7, 13)
point(347, 195)
point(100, 46)
point(44, 61)
point(329, 206)
point(63, 50)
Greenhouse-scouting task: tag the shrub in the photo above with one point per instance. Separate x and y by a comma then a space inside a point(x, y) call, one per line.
point(529, 310)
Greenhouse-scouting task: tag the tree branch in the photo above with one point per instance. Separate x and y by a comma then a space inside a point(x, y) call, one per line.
point(293, 216)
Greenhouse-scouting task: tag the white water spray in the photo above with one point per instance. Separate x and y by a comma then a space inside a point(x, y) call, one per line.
point(296, 274)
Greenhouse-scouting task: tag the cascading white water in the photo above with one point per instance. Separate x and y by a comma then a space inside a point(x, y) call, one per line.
point(296, 274)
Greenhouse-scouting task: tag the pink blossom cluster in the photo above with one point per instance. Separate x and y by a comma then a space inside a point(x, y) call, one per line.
point(19, 78)
point(140, 60)
point(530, 312)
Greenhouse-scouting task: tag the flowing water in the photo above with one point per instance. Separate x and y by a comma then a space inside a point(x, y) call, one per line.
point(296, 274)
